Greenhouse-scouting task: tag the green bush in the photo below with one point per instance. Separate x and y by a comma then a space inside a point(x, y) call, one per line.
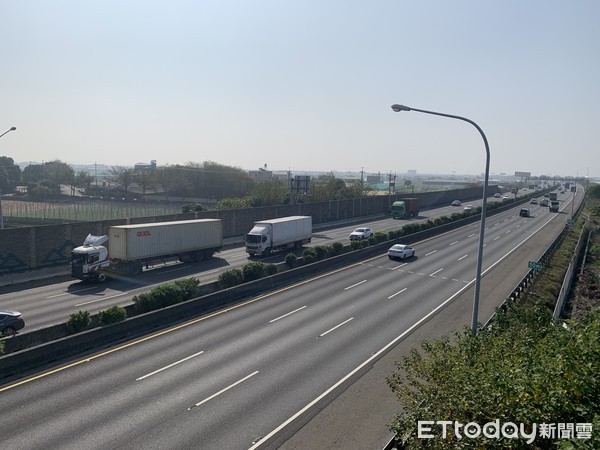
point(79, 321)
point(320, 252)
point(369, 241)
point(253, 271)
point(165, 295)
point(113, 314)
point(355, 245)
point(456, 216)
point(271, 269)
point(309, 255)
point(291, 260)
point(231, 277)
point(337, 248)
point(380, 237)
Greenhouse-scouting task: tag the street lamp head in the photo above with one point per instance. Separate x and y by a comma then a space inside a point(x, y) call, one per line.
point(398, 108)
point(13, 128)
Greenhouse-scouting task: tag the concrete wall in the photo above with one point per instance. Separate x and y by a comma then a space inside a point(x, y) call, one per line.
point(47, 246)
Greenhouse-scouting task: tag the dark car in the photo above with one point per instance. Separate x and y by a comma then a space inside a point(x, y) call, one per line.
point(524, 212)
point(10, 322)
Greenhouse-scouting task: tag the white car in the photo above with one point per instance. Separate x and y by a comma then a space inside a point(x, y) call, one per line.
point(361, 233)
point(400, 251)
point(468, 208)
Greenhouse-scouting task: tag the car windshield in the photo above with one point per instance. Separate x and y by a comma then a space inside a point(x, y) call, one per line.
point(360, 230)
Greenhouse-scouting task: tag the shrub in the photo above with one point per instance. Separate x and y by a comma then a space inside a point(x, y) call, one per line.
point(291, 260)
point(337, 248)
point(309, 255)
point(370, 241)
point(355, 245)
point(79, 321)
point(113, 314)
point(166, 294)
point(380, 237)
point(320, 252)
point(253, 271)
point(230, 278)
point(456, 216)
point(270, 269)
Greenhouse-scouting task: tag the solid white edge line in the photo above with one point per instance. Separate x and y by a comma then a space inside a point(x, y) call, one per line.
point(391, 343)
point(169, 366)
point(287, 314)
point(223, 390)
point(337, 326)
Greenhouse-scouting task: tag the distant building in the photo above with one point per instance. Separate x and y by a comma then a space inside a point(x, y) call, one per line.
point(142, 166)
point(374, 179)
point(262, 174)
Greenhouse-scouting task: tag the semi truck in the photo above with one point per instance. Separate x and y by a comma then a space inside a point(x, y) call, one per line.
point(276, 234)
point(553, 206)
point(130, 247)
point(553, 196)
point(405, 208)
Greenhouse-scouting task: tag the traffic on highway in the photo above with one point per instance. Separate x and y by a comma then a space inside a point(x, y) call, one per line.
point(249, 376)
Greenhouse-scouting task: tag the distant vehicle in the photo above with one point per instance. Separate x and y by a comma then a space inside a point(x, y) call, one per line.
point(456, 203)
point(497, 195)
point(573, 188)
point(544, 202)
point(361, 233)
point(400, 251)
point(554, 206)
point(533, 201)
point(10, 322)
point(468, 208)
point(546, 195)
point(553, 196)
point(277, 234)
point(405, 208)
point(524, 212)
point(514, 190)
point(505, 198)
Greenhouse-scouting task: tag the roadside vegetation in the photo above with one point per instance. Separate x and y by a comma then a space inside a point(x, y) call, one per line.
point(523, 368)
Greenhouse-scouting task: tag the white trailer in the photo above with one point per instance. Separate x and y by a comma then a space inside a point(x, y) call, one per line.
point(132, 246)
point(277, 234)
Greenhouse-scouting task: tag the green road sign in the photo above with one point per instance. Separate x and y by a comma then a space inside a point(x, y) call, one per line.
point(535, 265)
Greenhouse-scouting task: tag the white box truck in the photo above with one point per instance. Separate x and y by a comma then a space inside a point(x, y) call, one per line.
point(130, 247)
point(278, 234)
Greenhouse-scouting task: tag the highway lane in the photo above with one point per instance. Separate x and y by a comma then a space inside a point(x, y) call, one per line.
point(52, 303)
point(227, 380)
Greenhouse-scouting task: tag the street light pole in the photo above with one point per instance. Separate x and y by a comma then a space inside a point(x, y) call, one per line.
point(8, 131)
point(1, 215)
point(398, 108)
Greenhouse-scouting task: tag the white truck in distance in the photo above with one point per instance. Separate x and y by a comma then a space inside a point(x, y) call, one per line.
point(277, 234)
point(132, 246)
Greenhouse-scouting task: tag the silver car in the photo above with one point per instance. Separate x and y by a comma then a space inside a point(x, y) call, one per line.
point(400, 251)
point(361, 233)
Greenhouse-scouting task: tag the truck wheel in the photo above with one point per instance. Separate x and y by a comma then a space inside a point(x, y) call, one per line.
point(8, 331)
point(101, 277)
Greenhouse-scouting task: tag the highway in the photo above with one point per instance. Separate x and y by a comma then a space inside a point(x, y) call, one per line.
point(250, 376)
point(50, 302)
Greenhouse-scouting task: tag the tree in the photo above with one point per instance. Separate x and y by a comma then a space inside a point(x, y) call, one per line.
point(522, 370)
point(57, 173)
point(83, 180)
point(123, 176)
point(268, 193)
point(13, 174)
point(145, 178)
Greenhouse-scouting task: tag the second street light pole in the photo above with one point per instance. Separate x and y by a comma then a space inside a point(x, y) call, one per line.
point(398, 108)
point(1, 215)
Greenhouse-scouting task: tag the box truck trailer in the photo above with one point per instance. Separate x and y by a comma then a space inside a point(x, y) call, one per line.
point(405, 208)
point(276, 234)
point(130, 247)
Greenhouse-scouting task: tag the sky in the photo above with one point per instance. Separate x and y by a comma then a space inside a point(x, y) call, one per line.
point(304, 85)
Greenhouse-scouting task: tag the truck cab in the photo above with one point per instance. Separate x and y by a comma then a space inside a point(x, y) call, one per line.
point(257, 240)
point(88, 259)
